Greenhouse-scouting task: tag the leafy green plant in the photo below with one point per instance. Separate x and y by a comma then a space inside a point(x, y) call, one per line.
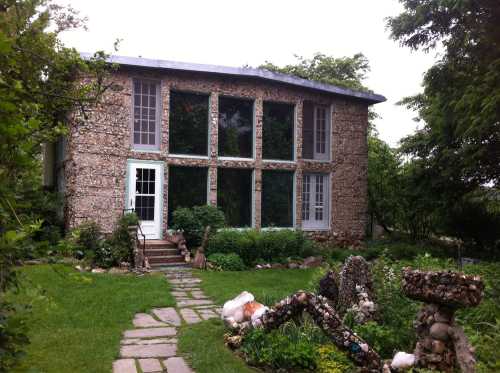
point(226, 262)
point(254, 246)
point(332, 360)
point(194, 220)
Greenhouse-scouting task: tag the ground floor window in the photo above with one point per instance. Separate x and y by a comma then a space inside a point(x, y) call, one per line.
point(277, 198)
point(187, 187)
point(315, 197)
point(234, 195)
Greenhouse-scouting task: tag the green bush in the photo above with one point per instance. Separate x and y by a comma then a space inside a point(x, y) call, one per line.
point(88, 236)
point(270, 246)
point(194, 220)
point(227, 262)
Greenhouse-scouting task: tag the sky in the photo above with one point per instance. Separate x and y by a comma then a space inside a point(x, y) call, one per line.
point(237, 33)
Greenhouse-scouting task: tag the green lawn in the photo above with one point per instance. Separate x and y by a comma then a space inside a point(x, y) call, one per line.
point(203, 344)
point(77, 318)
point(268, 285)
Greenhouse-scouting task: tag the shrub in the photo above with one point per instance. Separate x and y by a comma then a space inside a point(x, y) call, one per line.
point(194, 220)
point(88, 236)
point(270, 246)
point(227, 262)
point(332, 360)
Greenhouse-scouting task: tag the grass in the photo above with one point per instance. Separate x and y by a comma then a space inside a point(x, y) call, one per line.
point(268, 286)
point(77, 319)
point(203, 343)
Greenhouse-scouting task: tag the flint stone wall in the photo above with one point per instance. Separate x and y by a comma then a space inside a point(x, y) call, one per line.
point(97, 151)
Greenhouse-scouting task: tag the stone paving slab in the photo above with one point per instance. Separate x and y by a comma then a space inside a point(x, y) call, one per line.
point(150, 365)
point(190, 316)
point(144, 351)
point(185, 281)
point(124, 366)
point(177, 365)
point(154, 341)
point(194, 302)
point(143, 320)
point(168, 315)
point(207, 314)
point(179, 293)
point(150, 333)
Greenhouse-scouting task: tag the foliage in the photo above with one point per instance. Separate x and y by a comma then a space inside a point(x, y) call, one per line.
point(455, 153)
point(289, 347)
point(75, 319)
point(383, 183)
point(267, 245)
point(121, 242)
point(12, 335)
point(37, 93)
point(194, 220)
point(226, 262)
point(345, 72)
point(332, 360)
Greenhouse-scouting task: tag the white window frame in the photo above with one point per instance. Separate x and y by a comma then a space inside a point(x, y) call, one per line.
point(312, 223)
point(158, 117)
point(322, 156)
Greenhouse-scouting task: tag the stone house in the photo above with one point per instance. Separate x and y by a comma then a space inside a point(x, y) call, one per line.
point(270, 150)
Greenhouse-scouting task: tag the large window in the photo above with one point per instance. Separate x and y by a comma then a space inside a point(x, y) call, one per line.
point(146, 114)
point(234, 196)
point(315, 197)
point(277, 198)
point(188, 123)
point(277, 131)
point(316, 132)
point(235, 127)
point(187, 187)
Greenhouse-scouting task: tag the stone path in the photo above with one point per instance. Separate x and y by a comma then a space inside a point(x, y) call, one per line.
point(152, 346)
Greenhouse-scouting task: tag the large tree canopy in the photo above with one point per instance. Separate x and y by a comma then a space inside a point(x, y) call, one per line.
point(460, 104)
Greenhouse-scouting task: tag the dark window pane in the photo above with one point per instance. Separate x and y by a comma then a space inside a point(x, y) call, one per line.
point(277, 198)
point(145, 207)
point(188, 123)
point(187, 187)
point(277, 131)
point(234, 196)
point(235, 127)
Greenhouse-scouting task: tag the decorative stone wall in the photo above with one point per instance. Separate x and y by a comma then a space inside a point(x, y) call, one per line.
point(99, 148)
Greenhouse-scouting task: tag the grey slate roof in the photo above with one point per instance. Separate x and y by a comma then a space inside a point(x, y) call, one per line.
point(372, 98)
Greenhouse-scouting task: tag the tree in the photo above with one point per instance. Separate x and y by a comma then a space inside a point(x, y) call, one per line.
point(38, 91)
point(457, 152)
point(460, 105)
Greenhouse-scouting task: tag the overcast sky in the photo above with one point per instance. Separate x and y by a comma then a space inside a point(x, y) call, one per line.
point(235, 33)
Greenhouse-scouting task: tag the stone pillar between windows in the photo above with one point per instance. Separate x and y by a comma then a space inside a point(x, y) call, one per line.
point(298, 159)
point(258, 163)
point(213, 147)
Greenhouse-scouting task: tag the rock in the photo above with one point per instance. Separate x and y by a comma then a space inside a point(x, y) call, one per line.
point(98, 270)
point(278, 266)
point(293, 265)
point(439, 330)
point(328, 287)
point(312, 262)
point(116, 270)
point(438, 346)
point(402, 360)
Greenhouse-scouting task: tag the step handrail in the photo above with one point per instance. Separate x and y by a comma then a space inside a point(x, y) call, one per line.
point(137, 232)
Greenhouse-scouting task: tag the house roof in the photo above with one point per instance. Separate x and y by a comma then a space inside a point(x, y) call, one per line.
point(262, 74)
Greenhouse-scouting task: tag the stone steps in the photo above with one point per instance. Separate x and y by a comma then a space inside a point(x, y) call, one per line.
point(162, 253)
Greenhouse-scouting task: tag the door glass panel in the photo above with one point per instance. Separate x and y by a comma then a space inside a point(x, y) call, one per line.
point(145, 193)
point(319, 198)
point(315, 207)
point(306, 197)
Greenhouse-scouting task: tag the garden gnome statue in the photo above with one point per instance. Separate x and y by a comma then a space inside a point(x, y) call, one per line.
point(200, 261)
point(442, 344)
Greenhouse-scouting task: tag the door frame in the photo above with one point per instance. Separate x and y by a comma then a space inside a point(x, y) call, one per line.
point(327, 203)
point(161, 167)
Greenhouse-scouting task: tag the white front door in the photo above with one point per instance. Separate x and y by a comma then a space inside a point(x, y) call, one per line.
point(315, 197)
point(144, 195)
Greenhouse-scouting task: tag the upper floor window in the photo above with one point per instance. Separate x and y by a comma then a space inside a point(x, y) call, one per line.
point(146, 114)
point(316, 132)
point(277, 131)
point(235, 127)
point(188, 124)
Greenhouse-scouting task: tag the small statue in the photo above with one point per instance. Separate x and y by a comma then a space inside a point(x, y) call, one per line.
point(200, 261)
